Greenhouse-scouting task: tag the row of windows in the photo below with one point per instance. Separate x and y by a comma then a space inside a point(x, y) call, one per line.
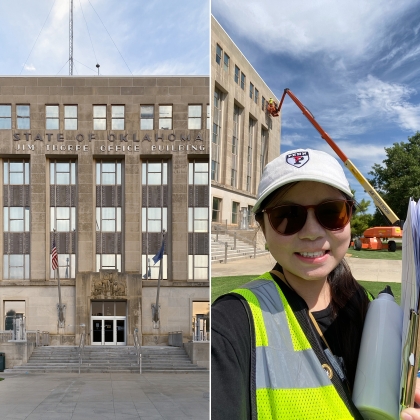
point(99, 114)
point(239, 77)
point(237, 214)
point(109, 216)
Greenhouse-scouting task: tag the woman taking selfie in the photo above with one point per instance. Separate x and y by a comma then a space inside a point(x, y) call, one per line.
point(285, 345)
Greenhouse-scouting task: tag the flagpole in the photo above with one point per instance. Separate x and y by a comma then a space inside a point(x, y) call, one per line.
point(156, 314)
point(60, 306)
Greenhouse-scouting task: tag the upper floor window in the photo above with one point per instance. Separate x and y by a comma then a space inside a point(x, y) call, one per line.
point(52, 114)
point(165, 117)
point(226, 62)
point(99, 117)
point(146, 117)
point(70, 117)
point(23, 118)
point(208, 117)
point(263, 103)
point(117, 122)
point(218, 54)
point(256, 97)
point(251, 90)
point(243, 80)
point(6, 117)
point(194, 117)
point(236, 74)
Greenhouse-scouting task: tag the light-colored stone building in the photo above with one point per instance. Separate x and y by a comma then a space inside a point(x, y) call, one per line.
point(244, 136)
point(100, 167)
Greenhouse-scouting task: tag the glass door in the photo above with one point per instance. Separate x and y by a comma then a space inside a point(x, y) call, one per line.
point(108, 331)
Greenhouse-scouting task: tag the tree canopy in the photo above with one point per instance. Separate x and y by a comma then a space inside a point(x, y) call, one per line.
point(361, 220)
point(398, 178)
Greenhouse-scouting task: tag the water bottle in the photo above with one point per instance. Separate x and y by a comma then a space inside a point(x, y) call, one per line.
point(377, 384)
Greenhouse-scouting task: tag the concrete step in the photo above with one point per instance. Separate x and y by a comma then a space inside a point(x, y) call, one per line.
point(108, 359)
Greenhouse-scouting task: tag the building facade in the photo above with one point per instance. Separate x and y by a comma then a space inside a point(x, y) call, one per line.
point(105, 170)
point(244, 136)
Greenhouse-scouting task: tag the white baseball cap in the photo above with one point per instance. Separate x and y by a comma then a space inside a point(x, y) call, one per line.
point(301, 165)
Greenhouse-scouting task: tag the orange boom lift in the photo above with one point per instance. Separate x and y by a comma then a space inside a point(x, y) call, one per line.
point(372, 237)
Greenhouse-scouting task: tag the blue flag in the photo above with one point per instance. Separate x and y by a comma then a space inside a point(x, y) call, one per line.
point(159, 255)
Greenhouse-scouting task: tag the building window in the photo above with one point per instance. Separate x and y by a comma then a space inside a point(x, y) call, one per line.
point(243, 81)
point(249, 155)
point(23, 117)
point(198, 221)
point(117, 115)
point(146, 117)
point(70, 117)
point(264, 149)
point(208, 117)
point(263, 106)
point(109, 212)
point(226, 62)
point(215, 149)
point(52, 121)
point(235, 211)
point(251, 90)
point(201, 321)
point(194, 117)
point(165, 117)
point(235, 146)
point(99, 117)
point(63, 216)
point(257, 94)
point(16, 220)
point(236, 74)
point(154, 217)
point(216, 210)
point(218, 54)
point(251, 217)
point(5, 117)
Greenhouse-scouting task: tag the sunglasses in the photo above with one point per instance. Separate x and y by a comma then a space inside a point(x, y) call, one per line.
point(288, 219)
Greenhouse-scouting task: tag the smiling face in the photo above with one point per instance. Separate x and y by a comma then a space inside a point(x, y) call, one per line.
point(313, 252)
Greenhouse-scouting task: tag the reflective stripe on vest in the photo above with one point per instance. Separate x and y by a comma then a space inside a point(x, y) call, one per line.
point(299, 388)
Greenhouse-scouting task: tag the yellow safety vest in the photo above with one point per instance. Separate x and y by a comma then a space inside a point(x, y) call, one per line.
point(290, 381)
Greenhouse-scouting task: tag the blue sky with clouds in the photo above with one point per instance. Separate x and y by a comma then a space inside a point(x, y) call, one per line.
point(354, 64)
point(125, 37)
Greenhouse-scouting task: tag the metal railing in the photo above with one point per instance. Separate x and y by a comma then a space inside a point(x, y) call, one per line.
point(81, 347)
point(137, 347)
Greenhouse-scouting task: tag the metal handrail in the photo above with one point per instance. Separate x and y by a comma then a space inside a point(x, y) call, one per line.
point(137, 346)
point(81, 348)
point(220, 229)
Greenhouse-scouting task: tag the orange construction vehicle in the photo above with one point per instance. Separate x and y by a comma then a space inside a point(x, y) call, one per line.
point(372, 237)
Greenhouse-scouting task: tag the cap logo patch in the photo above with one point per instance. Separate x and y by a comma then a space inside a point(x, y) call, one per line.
point(297, 159)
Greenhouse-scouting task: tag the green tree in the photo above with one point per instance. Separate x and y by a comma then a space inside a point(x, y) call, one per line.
point(9, 319)
point(361, 220)
point(398, 178)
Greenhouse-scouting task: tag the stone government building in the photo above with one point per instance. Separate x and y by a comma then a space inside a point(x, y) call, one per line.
point(102, 165)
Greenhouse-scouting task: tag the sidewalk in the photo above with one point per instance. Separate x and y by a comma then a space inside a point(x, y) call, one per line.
point(362, 269)
point(103, 396)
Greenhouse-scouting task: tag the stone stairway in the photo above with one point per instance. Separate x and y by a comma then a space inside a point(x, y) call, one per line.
point(243, 249)
point(108, 359)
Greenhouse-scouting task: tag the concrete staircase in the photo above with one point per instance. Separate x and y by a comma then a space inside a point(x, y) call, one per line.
point(243, 249)
point(108, 359)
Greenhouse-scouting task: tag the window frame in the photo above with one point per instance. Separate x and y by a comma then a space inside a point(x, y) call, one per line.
point(219, 54)
point(164, 118)
point(117, 118)
point(71, 118)
point(243, 80)
point(23, 117)
point(53, 118)
point(194, 119)
point(147, 118)
point(97, 119)
point(226, 62)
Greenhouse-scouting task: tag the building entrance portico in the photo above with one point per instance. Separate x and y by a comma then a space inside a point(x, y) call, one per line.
point(108, 323)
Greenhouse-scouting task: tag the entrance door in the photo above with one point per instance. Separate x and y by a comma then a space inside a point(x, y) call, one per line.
point(108, 331)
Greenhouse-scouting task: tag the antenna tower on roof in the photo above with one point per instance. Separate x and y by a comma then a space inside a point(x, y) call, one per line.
point(71, 39)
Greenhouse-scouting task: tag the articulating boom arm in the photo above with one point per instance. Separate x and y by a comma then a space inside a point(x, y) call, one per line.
point(377, 199)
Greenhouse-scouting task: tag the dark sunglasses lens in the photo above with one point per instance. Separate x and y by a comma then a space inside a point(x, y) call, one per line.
point(288, 220)
point(333, 215)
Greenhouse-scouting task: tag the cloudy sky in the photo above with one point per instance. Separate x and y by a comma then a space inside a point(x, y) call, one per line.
point(163, 37)
point(354, 64)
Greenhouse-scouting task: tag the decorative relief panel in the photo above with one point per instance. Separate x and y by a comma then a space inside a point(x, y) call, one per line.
point(108, 285)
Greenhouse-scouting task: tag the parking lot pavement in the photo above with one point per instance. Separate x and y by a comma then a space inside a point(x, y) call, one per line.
point(362, 269)
point(103, 396)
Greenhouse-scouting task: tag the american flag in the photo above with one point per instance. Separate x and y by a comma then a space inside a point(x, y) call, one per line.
point(54, 257)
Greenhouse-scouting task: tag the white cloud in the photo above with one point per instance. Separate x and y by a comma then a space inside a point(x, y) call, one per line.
point(301, 27)
point(29, 67)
